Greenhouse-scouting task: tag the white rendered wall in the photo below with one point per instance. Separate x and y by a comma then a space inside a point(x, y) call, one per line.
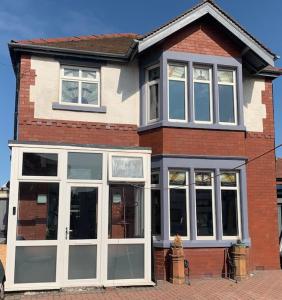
point(254, 109)
point(119, 93)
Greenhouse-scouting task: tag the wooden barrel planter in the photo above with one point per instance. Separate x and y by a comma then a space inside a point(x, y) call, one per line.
point(239, 256)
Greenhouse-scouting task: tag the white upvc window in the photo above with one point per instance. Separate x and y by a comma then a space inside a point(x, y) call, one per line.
point(205, 205)
point(153, 93)
point(178, 203)
point(80, 86)
point(177, 92)
point(202, 94)
point(230, 202)
point(227, 96)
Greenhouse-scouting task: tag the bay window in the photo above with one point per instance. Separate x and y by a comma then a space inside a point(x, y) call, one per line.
point(178, 203)
point(230, 203)
point(202, 94)
point(227, 96)
point(204, 204)
point(153, 93)
point(177, 92)
point(80, 86)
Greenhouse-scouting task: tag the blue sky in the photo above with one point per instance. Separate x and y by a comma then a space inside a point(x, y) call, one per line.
point(38, 18)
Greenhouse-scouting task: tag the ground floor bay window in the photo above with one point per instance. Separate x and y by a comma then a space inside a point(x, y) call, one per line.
point(78, 216)
point(203, 200)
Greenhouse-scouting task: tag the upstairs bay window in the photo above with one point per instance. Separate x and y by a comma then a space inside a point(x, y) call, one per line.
point(227, 96)
point(80, 86)
point(202, 79)
point(177, 81)
point(153, 75)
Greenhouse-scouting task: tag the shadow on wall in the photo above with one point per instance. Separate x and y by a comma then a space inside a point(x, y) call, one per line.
point(128, 83)
point(248, 89)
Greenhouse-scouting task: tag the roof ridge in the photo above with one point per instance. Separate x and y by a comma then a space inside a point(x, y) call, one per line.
point(77, 38)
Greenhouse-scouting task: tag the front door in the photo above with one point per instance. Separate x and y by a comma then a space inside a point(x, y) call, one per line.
point(82, 235)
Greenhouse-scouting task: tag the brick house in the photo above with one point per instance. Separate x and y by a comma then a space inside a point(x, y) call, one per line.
point(113, 129)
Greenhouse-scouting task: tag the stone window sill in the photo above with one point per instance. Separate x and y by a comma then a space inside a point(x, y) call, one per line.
point(81, 108)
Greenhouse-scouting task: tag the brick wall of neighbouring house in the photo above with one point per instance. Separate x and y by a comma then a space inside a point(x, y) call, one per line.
point(33, 129)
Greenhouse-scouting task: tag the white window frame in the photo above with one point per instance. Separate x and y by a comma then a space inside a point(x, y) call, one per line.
point(123, 179)
point(185, 90)
point(148, 85)
point(234, 84)
point(206, 187)
point(80, 80)
point(182, 187)
point(210, 81)
point(237, 189)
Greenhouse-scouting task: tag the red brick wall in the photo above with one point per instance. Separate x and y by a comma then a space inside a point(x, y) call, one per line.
point(32, 129)
point(202, 38)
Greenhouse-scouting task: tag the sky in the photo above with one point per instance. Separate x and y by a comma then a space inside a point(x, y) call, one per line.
point(26, 19)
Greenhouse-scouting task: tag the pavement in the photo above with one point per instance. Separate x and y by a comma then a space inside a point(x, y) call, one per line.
point(261, 285)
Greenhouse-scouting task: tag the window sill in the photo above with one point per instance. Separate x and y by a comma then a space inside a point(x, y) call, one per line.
point(200, 243)
point(192, 125)
point(80, 108)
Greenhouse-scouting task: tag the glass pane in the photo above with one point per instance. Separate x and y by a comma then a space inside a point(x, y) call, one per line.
point(40, 164)
point(70, 91)
point(229, 212)
point(35, 264)
point(38, 211)
point(155, 178)
point(177, 178)
point(71, 72)
point(82, 261)
point(85, 165)
point(203, 178)
point(89, 93)
point(89, 74)
point(176, 71)
point(176, 100)
point(154, 74)
point(126, 212)
point(156, 212)
point(83, 213)
point(204, 212)
point(154, 102)
point(202, 101)
point(125, 262)
point(127, 167)
point(201, 74)
point(178, 219)
point(228, 179)
point(225, 76)
point(226, 103)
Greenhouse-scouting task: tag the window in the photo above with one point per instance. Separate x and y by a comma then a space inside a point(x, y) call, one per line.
point(155, 204)
point(38, 211)
point(202, 94)
point(177, 92)
point(153, 75)
point(40, 164)
point(230, 204)
point(204, 204)
point(178, 194)
point(85, 166)
point(80, 86)
point(227, 96)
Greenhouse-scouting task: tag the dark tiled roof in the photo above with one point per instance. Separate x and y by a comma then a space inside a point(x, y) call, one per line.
point(279, 168)
point(272, 70)
point(105, 43)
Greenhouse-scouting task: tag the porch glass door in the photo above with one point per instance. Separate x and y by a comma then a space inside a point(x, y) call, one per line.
point(82, 234)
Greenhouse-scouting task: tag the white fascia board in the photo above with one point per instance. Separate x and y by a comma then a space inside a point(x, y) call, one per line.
point(193, 16)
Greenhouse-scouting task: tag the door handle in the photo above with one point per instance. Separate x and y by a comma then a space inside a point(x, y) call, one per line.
point(67, 233)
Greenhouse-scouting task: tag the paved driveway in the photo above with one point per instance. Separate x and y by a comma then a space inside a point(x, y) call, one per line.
point(263, 285)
